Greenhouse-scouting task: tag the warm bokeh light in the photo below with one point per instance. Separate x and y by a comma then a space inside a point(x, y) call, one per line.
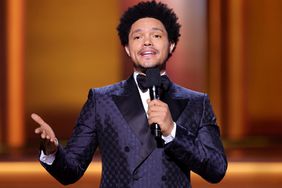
point(15, 72)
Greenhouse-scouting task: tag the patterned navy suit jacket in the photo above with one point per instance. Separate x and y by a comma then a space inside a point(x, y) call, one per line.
point(113, 119)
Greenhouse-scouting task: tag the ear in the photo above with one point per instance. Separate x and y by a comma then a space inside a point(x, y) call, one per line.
point(171, 47)
point(127, 50)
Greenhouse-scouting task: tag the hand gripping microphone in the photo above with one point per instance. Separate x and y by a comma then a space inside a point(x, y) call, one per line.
point(154, 83)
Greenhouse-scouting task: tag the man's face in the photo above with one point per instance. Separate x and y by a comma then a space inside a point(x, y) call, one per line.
point(148, 44)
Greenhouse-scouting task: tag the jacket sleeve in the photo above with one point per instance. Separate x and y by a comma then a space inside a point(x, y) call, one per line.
point(201, 150)
point(72, 161)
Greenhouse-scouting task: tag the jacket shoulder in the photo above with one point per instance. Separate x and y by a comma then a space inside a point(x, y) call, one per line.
point(109, 89)
point(182, 92)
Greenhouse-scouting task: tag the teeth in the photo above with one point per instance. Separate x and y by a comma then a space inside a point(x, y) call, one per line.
point(147, 53)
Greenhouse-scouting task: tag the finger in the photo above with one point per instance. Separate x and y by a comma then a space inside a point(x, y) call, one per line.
point(156, 102)
point(50, 132)
point(38, 130)
point(54, 141)
point(43, 134)
point(43, 126)
point(157, 114)
point(37, 119)
point(156, 109)
point(155, 120)
point(156, 117)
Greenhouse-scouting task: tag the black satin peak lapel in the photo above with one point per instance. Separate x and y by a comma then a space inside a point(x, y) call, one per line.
point(176, 106)
point(131, 107)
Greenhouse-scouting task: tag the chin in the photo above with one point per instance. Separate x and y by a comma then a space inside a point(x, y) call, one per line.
point(150, 64)
point(144, 68)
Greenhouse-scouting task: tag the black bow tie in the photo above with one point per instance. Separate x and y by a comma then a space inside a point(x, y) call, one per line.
point(143, 84)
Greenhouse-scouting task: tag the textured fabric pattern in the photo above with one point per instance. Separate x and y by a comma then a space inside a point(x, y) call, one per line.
point(108, 121)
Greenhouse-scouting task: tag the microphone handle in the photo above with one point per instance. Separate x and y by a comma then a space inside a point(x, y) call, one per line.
point(155, 128)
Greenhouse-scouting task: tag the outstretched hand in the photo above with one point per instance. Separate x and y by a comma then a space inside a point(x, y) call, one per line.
point(48, 137)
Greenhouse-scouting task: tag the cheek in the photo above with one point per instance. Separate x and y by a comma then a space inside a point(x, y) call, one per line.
point(165, 50)
point(133, 48)
point(163, 45)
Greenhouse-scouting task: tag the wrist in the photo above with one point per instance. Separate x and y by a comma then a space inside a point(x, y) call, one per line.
point(170, 137)
point(168, 131)
point(49, 147)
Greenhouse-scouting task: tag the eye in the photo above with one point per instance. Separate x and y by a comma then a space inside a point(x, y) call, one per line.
point(136, 37)
point(157, 36)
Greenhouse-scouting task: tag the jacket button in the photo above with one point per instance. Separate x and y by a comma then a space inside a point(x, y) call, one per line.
point(164, 178)
point(136, 176)
point(168, 158)
point(126, 149)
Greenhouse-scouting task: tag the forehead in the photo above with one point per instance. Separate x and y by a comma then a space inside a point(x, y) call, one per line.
point(144, 24)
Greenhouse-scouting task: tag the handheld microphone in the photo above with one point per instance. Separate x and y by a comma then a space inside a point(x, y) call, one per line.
point(154, 82)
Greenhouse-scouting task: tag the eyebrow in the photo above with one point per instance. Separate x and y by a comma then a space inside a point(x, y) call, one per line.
point(154, 28)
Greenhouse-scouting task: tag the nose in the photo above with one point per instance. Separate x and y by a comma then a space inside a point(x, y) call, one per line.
point(147, 41)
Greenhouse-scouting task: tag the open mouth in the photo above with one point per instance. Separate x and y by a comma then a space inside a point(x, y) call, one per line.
point(148, 52)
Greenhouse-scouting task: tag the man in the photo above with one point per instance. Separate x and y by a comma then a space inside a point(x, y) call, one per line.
point(116, 119)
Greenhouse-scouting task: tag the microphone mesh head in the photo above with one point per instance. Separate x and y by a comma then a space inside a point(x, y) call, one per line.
point(153, 76)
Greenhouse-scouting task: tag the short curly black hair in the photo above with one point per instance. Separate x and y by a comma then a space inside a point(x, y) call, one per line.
point(151, 9)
